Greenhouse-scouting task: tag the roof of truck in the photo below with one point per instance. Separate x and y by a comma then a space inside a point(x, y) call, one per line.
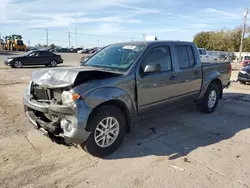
point(153, 42)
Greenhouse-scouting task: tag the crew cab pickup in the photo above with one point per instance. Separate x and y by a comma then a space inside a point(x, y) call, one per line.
point(95, 105)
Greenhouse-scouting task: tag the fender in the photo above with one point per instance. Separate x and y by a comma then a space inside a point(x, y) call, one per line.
point(207, 79)
point(98, 96)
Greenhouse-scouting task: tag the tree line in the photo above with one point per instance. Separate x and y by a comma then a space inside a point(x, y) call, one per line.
point(223, 40)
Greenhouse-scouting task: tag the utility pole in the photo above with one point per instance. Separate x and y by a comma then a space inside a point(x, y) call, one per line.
point(76, 38)
point(143, 36)
point(29, 43)
point(47, 38)
point(69, 38)
point(1, 42)
point(243, 33)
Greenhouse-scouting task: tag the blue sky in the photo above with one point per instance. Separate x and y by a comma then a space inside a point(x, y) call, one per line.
point(115, 20)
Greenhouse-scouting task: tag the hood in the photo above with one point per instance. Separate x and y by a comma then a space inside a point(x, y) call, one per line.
point(15, 56)
point(66, 77)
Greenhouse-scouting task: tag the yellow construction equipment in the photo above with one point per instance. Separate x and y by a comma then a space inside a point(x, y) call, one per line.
point(14, 42)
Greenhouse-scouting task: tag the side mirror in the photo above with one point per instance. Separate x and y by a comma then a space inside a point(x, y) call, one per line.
point(150, 68)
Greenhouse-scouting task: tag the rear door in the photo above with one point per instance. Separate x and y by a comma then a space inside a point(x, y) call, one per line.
point(156, 89)
point(189, 72)
point(45, 57)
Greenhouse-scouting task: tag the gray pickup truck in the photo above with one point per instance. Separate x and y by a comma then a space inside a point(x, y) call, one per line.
point(95, 105)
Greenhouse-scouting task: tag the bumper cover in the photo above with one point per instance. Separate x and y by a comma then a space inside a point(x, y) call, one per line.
point(77, 134)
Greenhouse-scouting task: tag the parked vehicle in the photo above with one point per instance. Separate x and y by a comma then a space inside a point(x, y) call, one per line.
point(63, 50)
point(75, 50)
point(14, 42)
point(203, 55)
point(244, 75)
point(96, 105)
point(36, 57)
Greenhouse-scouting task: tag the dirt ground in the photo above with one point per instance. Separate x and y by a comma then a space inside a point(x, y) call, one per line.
point(180, 148)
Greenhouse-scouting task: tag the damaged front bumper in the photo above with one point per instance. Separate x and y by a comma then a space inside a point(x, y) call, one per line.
point(66, 123)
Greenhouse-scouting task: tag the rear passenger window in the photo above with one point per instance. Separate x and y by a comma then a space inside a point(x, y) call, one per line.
point(190, 56)
point(185, 56)
point(44, 53)
point(182, 56)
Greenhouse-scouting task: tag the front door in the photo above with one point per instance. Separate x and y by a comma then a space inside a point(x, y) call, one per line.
point(34, 58)
point(155, 89)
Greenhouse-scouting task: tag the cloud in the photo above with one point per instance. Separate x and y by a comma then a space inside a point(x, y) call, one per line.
point(224, 13)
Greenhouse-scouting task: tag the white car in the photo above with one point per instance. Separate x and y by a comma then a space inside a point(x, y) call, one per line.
point(80, 51)
point(203, 54)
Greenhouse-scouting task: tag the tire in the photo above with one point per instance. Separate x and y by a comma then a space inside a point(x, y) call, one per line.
point(53, 63)
point(92, 146)
point(242, 82)
point(17, 64)
point(212, 93)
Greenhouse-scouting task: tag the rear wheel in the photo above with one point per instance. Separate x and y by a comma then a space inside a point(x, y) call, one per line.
point(242, 82)
point(108, 128)
point(210, 99)
point(17, 64)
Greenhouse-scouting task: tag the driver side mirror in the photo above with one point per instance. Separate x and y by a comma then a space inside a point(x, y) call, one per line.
point(151, 68)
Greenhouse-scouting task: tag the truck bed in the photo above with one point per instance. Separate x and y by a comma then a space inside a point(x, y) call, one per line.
point(222, 69)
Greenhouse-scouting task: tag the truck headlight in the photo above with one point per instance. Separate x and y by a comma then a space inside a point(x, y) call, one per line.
point(68, 98)
point(9, 60)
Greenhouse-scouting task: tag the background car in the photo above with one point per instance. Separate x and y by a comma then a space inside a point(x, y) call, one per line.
point(36, 57)
point(246, 63)
point(244, 75)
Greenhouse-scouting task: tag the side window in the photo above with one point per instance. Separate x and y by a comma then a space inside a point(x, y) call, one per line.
point(45, 54)
point(190, 55)
point(185, 55)
point(182, 56)
point(202, 52)
point(36, 54)
point(159, 55)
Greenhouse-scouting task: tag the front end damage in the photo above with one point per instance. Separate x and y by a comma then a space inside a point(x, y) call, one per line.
point(54, 109)
point(64, 124)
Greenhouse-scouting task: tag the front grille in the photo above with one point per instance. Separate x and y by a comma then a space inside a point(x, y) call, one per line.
point(40, 93)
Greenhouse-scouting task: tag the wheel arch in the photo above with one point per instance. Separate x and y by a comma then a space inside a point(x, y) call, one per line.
point(117, 103)
point(218, 82)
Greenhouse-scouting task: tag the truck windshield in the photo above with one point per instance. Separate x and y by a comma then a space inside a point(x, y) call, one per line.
point(119, 56)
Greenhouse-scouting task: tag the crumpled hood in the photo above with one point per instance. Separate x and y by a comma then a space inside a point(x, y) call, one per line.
point(64, 77)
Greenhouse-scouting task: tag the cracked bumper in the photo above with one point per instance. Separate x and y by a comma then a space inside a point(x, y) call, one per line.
point(73, 131)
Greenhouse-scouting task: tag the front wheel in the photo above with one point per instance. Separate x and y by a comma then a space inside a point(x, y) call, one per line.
point(108, 128)
point(17, 64)
point(210, 100)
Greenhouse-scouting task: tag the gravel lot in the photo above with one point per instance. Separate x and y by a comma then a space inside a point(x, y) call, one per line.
point(181, 148)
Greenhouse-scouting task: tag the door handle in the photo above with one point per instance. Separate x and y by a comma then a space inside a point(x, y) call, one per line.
point(196, 73)
point(172, 77)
